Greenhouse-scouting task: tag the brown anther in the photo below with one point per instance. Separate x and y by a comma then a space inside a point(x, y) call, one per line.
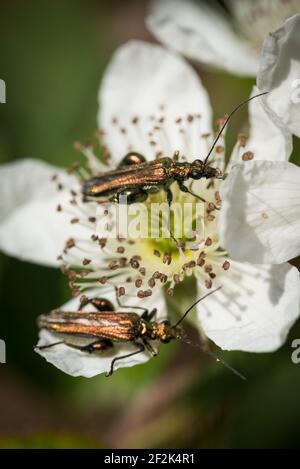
point(60, 187)
point(73, 202)
point(102, 242)
point(178, 120)
point(242, 140)
point(92, 219)
point(248, 156)
point(103, 280)
point(113, 265)
point(156, 275)
point(208, 268)
point(167, 259)
point(156, 253)
point(121, 291)
point(140, 294)
point(86, 261)
point(135, 120)
point(190, 118)
point(73, 193)
point(120, 249)
point(123, 130)
point(71, 274)
point(70, 243)
point(208, 242)
point(134, 263)
point(176, 278)
point(218, 196)
point(170, 291)
point(219, 149)
point(189, 265)
point(211, 207)
point(59, 258)
point(226, 265)
point(142, 271)
point(84, 273)
point(208, 283)
point(212, 275)
point(83, 300)
point(59, 208)
point(54, 178)
point(210, 217)
point(138, 282)
point(94, 237)
point(74, 220)
point(151, 282)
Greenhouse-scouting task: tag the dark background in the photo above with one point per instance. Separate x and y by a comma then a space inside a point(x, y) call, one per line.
point(52, 57)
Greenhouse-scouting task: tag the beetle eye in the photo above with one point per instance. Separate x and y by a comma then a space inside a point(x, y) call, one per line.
point(196, 174)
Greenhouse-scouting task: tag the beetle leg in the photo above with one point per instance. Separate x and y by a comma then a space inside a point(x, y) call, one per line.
point(149, 315)
point(169, 200)
point(132, 196)
point(131, 158)
point(130, 307)
point(185, 189)
point(141, 348)
point(176, 156)
point(43, 347)
point(101, 304)
point(150, 349)
point(98, 345)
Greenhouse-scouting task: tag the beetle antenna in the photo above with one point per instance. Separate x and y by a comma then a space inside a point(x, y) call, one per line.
point(205, 350)
point(226, 122)
point(194, 304)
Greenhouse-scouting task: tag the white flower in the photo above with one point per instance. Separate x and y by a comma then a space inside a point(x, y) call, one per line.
point(263, 223)
point(279, 73)
point(206, 33)
point(152, 102)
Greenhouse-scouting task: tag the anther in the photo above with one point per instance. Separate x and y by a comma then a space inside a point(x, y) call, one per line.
point(86, 261)
point(226, 265)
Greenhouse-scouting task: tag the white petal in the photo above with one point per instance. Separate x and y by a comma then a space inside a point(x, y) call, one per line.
point(254, 310)
point(202, 33)
point(147, 81)
point(77, 363)
point(267, 141)
point(279, 73)
point(31, 228)
point(260, 216)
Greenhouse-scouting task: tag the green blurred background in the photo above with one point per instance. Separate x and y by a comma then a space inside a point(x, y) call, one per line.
point(52, 57)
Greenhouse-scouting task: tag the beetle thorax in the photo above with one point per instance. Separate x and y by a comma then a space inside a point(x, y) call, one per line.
point(180, 171)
